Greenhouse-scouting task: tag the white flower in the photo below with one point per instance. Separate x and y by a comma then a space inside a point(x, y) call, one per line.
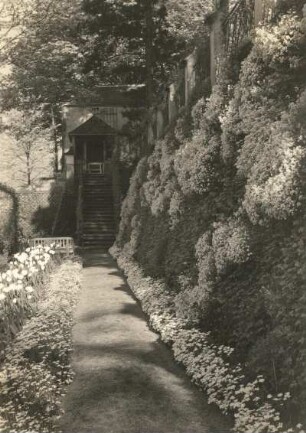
point(2, 296)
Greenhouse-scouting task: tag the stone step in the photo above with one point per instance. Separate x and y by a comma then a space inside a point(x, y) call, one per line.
point(98, 193)
point(93, 184)
point(97, 206)
point(94, 187)
point(96, 238)
point(101, 245)
point(98, 197)
point(98, 222)
point(97, 233)
point(97, 203)
point(100, 227)
point(90, 206)
point(97, 227)
point(97, 214)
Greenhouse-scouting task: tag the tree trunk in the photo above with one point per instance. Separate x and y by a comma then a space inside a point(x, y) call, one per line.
point(55, 140)
point(28, 169)
point(149, 50)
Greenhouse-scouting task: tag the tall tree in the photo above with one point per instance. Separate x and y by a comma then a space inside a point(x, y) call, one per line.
point(127, 41)
point(44, 59)
point(27, 148)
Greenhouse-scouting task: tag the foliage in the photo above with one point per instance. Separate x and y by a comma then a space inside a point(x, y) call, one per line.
point(115, 36)
point(9, 212)
point(210, 366)
point(41, 50)
point(37, 369)
point(30, 149)
point(185, 18)
point(217, 214)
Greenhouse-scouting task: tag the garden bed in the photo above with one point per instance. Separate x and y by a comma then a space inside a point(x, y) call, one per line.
point(36, 367)
point(209, 366)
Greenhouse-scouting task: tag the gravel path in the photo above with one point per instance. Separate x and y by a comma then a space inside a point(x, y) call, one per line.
point(126, 380)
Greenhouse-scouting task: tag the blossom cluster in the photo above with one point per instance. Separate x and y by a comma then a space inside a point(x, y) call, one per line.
point(226, 191)
point(20, 286)
point(160, 185)
point(195, 165)
point(209, 365)
point(274, 188)
point(230, 243)
point(36, 367)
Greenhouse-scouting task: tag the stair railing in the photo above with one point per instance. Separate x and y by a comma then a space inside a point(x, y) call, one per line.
point(79, 211)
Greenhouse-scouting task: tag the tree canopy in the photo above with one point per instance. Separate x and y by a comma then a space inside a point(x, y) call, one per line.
point(54, 51)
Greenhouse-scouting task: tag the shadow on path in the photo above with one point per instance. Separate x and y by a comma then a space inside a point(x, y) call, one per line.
point(126, 380)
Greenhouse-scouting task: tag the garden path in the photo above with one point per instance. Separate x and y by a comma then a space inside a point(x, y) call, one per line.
point(126, 380)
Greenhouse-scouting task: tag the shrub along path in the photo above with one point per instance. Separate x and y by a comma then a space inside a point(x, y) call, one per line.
point(126, 380)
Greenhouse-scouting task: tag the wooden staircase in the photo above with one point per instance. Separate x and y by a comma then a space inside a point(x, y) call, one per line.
point(98, 225)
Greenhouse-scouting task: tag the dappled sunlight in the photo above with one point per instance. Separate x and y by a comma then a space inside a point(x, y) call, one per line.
point(124, 374)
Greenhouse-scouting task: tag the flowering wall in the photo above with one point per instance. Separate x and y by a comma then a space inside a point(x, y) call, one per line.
point(218, 215)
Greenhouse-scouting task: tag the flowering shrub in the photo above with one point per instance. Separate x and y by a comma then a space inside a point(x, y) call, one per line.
point(130, 204)
point(176, 207)
point(230, 243)
point(218, 213)
point(195, 165)
point(20, 288)
point(36, 367)
point(274, 188)
point(209, 365)
point(205, 259)
point(197, 162)
point(161, 183)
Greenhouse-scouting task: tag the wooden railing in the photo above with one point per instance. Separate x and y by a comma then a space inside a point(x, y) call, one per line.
point(61, 244)
point(89, 167)
point(95, 167)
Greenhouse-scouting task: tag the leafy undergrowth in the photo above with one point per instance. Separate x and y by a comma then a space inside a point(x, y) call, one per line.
point(36, 368)
point(210, 366)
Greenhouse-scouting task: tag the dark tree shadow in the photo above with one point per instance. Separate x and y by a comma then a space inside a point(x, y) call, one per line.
point(58, 218)
point(9, 232)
